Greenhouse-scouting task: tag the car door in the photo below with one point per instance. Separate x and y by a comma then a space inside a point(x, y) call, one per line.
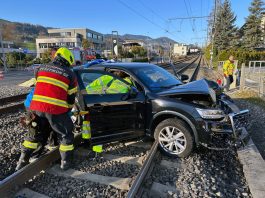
point(112, 116)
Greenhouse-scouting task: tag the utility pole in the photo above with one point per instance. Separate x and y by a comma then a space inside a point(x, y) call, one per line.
point(115, 44)
point(2, 49)
point(213, 32)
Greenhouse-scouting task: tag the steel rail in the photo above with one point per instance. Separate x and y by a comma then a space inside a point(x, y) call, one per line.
point(140, 178)
point(12, 99)
point(195, 73)
point(187, 67)
point(11, 108)
point(14, 181)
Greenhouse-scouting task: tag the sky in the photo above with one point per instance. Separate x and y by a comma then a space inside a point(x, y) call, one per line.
point(143, 17)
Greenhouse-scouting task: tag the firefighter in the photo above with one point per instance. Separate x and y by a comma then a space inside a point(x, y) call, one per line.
point(228, 70)
point(53, 98)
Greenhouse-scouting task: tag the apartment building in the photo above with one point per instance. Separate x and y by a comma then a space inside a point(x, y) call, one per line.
point(70, 38)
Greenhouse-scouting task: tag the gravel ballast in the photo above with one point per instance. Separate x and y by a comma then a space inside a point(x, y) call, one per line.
point(11, 136)
point(101, 166)
point(121, 149)
point(56, 186)
point(12, 90)
point(204, 174)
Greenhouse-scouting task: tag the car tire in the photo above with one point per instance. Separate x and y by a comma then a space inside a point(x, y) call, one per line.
point(177, 136)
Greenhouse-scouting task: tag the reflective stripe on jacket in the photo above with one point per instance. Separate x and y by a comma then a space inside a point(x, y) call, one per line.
point(107, 85)
point(55, 90)
point(228, 68)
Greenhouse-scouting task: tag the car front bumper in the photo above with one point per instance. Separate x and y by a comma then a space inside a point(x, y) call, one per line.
point(231, 131)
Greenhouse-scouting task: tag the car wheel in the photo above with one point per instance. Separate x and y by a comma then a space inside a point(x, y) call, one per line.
point(174, 138)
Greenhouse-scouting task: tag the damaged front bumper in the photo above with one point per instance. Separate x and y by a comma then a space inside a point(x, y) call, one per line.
point(229, 132)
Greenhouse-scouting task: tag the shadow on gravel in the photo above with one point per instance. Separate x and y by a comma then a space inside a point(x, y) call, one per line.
point(206, 173)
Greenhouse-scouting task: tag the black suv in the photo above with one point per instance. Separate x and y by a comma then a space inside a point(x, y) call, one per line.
point(179, 115)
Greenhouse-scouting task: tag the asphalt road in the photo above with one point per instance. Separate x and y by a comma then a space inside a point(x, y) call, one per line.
point(15, 77)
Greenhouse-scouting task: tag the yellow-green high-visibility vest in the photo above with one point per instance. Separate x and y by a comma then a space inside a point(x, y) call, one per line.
point(86, 130)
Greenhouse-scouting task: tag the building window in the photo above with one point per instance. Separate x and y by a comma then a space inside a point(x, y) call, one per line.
point(89, 35)
point(70, 44)
point(43, 45)
point(94, 36)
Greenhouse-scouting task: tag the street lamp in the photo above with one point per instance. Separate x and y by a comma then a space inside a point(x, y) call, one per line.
point(20, 51)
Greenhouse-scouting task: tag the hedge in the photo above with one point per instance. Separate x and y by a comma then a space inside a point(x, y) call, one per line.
point(242, 55)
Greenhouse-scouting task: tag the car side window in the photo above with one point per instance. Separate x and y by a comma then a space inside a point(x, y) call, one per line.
point(101, 83)
point(125, 76)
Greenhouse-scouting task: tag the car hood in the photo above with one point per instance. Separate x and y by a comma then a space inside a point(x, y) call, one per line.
point(196, 87)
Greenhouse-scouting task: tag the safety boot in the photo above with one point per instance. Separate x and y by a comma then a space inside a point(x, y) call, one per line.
point(66, 160)
point(23, 160)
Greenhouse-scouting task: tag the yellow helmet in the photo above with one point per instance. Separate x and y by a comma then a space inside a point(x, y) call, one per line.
point(66, 54)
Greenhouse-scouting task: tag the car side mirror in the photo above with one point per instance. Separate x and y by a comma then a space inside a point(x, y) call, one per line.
point(184, 77)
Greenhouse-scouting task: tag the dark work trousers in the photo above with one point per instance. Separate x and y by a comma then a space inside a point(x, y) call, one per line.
point(39, 134)
point(61, 124)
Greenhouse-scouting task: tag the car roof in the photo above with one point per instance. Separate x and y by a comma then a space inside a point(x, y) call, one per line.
point(124, 65)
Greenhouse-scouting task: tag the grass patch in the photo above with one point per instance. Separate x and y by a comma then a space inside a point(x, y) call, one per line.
point(30, 46)
point(251, 97)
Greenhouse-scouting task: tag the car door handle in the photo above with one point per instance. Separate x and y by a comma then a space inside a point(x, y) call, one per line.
point(97, 107)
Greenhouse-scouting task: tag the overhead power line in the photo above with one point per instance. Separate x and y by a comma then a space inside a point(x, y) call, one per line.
point(144, 17)
point(151, 10)
point(184, 18)
point(138, 13)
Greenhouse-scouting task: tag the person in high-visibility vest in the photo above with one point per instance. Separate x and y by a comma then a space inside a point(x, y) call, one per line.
point(106, 84)
point(228, 70)
point(53, 98)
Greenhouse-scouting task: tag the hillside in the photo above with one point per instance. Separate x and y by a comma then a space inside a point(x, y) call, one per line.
point(162, 41)
point(21, 32)
point(24, 35)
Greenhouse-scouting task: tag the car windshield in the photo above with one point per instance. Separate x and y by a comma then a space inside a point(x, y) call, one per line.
point(156, 78)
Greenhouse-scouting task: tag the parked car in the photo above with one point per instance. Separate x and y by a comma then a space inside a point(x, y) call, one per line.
point(180, 116)
point(33, 67)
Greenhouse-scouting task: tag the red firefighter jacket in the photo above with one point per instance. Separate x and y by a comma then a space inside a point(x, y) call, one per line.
point(55, 90)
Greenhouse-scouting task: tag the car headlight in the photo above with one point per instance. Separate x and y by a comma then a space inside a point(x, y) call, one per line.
point(211, 113)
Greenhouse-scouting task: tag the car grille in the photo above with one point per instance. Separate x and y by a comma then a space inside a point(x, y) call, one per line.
point(240, 120)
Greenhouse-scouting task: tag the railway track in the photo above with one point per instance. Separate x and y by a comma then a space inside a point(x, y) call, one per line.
point(122, 184)
point(134, 169)
point(156, 189)
point(182, 65)
point(113, 170)
point(12, 103)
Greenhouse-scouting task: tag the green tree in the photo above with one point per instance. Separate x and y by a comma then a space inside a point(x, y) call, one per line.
point(11, 58)
point(85, 43)
point(138, 51)
point(225, 30)
point(29, 59)
point(46, 56)
point(252, 32)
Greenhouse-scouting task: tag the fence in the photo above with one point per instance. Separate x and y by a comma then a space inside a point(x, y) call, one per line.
point(253, 77)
